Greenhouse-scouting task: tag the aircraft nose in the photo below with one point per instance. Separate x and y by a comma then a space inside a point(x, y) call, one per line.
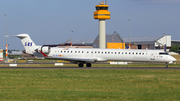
point(173, 59)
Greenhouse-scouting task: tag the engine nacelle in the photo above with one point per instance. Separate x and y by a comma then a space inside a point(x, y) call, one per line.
point(44, 49)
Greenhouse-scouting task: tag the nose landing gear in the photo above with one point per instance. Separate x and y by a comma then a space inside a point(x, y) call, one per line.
point(166, 65)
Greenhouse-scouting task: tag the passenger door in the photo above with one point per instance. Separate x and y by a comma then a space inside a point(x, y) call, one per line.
point(152, 56)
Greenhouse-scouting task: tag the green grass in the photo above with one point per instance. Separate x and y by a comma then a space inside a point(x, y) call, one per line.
point(89, 85)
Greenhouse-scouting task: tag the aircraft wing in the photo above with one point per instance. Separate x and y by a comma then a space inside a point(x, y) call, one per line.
point(67, 58)
point(71, 59)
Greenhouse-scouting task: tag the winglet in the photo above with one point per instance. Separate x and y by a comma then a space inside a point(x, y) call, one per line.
point(43, 53)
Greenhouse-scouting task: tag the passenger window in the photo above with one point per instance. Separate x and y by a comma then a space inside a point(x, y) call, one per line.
point(71, 51)
point(79, 51)
point(122, 52)
point(99, 52)
point(111, 52)
point(92, 52)
point(115, 53)
point(136, 53)
point(118, 52)
point(61, 51)
point(125, 52)
point(108, 52)
point(102, 52)
point(68, 51)
point(129, 52)
point(133, 53)
point(64, 51)
point(139, 53)
point(82, 51)
point(105, 52)
point(75, 51)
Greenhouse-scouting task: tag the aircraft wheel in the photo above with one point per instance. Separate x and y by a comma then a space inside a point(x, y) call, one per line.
point(80, 64)
point(166, 65)
point(88, 64)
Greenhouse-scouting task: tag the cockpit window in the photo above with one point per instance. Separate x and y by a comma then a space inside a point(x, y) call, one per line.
point(162, 53)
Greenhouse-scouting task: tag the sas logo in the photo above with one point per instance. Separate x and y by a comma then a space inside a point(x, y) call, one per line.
point(28, 43)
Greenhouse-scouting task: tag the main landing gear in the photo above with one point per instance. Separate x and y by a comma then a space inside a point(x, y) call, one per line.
point(87, 64)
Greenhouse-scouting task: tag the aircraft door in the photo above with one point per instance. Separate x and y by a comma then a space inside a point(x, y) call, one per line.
point(152, 56)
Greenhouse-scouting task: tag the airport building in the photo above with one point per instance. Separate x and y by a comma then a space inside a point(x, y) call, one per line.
point(114, 41)
point(175, 42)
point(156, 42)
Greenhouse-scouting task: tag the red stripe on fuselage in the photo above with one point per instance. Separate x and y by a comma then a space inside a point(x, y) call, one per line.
point(43, 54)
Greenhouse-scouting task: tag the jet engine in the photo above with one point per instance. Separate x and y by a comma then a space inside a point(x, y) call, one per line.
point(44, 49)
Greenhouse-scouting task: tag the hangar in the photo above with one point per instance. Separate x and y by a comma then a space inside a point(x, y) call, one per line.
point(113, 41)
point(156, 42)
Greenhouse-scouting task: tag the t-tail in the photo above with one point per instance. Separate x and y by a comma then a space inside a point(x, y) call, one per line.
point(28, 44)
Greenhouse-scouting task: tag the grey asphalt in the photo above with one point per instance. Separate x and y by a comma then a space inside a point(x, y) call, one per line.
point(131, 68)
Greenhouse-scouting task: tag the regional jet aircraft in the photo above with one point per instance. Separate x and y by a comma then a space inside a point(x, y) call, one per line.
point(87, 56)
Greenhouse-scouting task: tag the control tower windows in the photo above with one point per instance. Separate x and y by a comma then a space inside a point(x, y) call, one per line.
point(101, 8)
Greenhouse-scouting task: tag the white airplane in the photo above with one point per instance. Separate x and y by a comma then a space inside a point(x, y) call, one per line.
point(87, 56)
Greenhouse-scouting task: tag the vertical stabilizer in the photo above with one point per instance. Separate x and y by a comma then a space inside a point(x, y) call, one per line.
point(28, 44)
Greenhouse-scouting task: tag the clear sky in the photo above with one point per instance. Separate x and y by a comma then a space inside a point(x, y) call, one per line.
point(50, 21)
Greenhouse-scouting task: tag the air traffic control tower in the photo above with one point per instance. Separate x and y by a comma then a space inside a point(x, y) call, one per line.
point(102, 14)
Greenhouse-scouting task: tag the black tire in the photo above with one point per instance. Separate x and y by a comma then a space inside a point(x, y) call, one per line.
point(166, 65)
point(88, 65)
point(80, 64)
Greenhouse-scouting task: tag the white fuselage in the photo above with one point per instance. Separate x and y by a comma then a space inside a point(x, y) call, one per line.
point(111, 54)
point(88, 55)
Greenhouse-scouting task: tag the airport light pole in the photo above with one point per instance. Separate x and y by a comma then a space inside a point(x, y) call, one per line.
point(6, 41)
point(71, 37)
point(129, 36)
point(165, 46)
